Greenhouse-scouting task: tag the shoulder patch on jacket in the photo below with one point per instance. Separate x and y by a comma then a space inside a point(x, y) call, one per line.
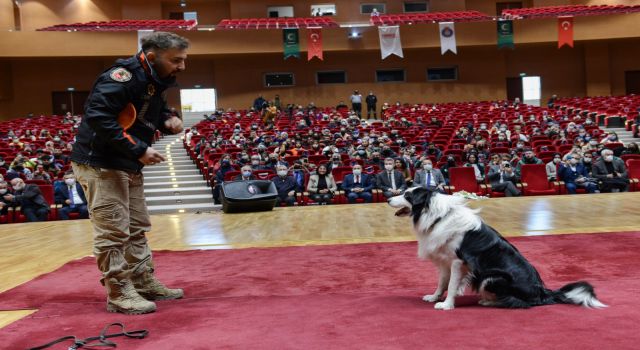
point(120, 75)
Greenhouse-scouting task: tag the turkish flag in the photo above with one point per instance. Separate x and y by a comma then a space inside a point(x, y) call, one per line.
point(314, 44)
point(565, 31)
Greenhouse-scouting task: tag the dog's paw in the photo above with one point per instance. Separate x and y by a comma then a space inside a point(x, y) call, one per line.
point(431, 298)
point(444, 306)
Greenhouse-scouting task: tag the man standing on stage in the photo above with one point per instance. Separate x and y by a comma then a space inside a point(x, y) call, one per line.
point(122, 114)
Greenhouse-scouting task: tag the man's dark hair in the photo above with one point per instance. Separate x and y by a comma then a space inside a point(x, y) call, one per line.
point(163, 41)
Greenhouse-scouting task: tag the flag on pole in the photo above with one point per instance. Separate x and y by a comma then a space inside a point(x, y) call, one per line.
point(505, 33)
point(390, 41)
point(447, 38)
point(291, 42)
point(565, 31)
point(314, 44)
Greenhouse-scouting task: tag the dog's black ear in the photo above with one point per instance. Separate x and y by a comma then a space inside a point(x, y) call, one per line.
point(420, 198)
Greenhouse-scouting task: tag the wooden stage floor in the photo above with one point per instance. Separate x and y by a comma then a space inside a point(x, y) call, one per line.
point(29, 250)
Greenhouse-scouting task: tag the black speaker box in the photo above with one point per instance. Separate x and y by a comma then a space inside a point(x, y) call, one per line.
point(248, 196)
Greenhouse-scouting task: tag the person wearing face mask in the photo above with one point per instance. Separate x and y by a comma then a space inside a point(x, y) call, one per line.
point(610, 138)
point(552, 167)
point(358, 185)
point(321, 186)
point(255, 163)
point(389, 180)
point(432, 151)
point(70, 195)
point(286, 186)
point(336, 161)
point(611, 172)
point(246, 174)
point(632, 148)
point(590, 146)
point(587, 161)
point(575, 175)
point(29, 198)
point(223, 167)
point(429, 177)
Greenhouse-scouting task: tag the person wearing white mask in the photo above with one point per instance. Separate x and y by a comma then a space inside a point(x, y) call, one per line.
point(390, 181)
point(358, 185)
point(429, 177)
point(552, 167)
point(611, 172)
point(71, 196)
point(246, 174)
point(286, 186)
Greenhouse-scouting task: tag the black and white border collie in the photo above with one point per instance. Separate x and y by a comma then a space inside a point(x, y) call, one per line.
point(468, 251)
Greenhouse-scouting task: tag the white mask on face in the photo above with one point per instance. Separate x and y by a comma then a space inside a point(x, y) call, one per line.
point(573, 161)
point(608, 158)
point(70, 182)
point(389, 167)
point(282, 173)
point(556, 160)
point(586, 160)
point(357, 172)
point(3, 191)
point(17, 187)
point(427, 167)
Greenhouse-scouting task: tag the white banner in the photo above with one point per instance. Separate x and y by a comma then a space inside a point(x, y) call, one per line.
point(390, 41)
point(447, 37)
point(141, 34)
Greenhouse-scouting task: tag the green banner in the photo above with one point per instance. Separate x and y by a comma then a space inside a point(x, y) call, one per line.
point(505, 33)
point(291, 41)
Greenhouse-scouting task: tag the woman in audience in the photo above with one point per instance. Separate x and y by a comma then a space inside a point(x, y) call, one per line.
point(610, 138)
point(321, 186)
point(632, 148)
point(444, 169)
point(552, 167)
point(401, 166)
point(472, 161)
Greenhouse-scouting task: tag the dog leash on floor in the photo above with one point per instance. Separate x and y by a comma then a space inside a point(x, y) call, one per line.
point(101, 339)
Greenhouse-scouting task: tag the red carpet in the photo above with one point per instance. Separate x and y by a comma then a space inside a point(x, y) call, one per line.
point(363, 296)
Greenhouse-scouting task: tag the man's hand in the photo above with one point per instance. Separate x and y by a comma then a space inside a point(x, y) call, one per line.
point(67, 201)
point(9, 197)
point(151, 156)
point(291, 193)
point(610, 176)
point(173, 124)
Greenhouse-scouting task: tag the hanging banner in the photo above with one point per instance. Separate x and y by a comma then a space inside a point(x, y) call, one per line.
point(565, 31)
point(390, 41)
point(314, 44)
point(505, 33)
point(141, 34)
point(291, 42)
point(447, 38)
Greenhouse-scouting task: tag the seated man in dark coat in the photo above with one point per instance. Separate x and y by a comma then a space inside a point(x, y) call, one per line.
point(30, 199)
point(286, 186)
point(70, 194)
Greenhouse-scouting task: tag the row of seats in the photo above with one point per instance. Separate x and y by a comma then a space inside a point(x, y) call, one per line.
point(125, 25)
point(277, 23)
point(432, 17)
point(604, 109)
point(568, 10)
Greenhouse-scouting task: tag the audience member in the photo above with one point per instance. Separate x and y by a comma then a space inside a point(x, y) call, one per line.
point(402, 166)
point(4, 204)
point(356, 103)
point(429, 177)
point(358, 185)
point(286, 186)
point(371, 100)
point(478, 168)
point(71, 196)
point(503, 179)
point(321, 186)
point(575, 175)
point(390, 181)
point(528, 158)
point(552, 167)
point(611, 172)
point(246, 174)
point(29, 198)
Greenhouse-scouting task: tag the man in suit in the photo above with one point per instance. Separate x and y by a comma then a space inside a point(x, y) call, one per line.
point(390, 181)
point(71, 196)
point(286, 186)
point(503, 179)
point(30, 199)
point(358, 185)
point(611, 172)
point(428, 177)
point(574, 174)
point(246, 174)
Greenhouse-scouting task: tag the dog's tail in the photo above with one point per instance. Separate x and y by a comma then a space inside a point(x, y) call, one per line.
point(577, 293)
